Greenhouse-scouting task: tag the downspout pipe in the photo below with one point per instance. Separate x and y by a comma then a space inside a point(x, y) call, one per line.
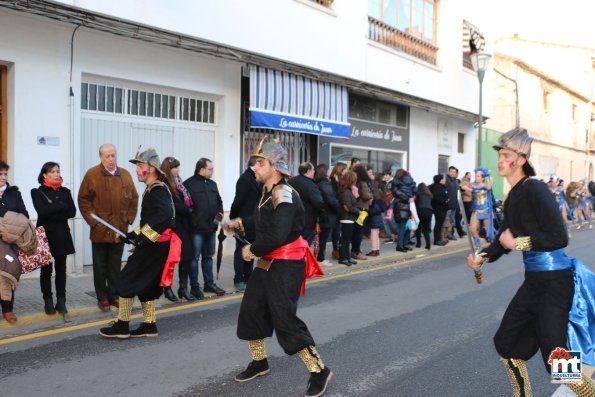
point(72, 151)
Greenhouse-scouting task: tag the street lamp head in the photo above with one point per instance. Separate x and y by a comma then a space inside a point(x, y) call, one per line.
point(480, 61)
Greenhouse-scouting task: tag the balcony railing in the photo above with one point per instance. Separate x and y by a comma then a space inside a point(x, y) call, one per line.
point(394, 38)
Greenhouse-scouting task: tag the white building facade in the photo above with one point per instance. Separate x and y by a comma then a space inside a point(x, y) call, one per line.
point(178, 76)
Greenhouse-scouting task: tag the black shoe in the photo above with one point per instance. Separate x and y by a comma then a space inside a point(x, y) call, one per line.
point(197, 293)
point(462, 233)
point(453, 238)
point(418, 245)
point(441, 243)
point(169, 294)
point(241, 286)
point(255, 369)
point(345, 262)
point(49, 306)
point(410, 242)
point(408, 248)
point(428, 247)
point(119, 330)
point(353, 261)
point(214, 289)
point(144, 329)
point(401, 249)
point(318, 382)
point(183, 294)
point(61, 305)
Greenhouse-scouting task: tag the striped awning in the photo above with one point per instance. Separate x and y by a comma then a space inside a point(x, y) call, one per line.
point(288, 102)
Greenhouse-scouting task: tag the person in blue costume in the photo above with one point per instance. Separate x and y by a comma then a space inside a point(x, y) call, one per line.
point(557, 188)
point(583, 207)
point(554, 307)
point(481, 205)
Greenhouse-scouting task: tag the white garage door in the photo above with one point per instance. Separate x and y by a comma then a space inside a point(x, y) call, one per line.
point(186, 143)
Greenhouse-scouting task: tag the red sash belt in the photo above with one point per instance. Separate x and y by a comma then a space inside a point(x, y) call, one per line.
point(173, 256)
point(296, 251)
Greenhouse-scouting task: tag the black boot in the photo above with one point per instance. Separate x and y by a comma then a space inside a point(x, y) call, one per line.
point(344, 254)
point(61, 306)
point(169, 294)
point(196, 293)
point(183, 290)
point(49, 306)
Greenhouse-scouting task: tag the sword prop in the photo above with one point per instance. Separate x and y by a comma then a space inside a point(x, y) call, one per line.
point(109, 226)
point(474, 249)
point(229, 231)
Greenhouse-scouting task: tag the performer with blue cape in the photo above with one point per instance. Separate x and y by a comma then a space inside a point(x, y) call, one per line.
point(555, 306)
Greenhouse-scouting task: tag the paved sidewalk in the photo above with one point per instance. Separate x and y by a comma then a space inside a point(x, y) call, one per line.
point(82, 304)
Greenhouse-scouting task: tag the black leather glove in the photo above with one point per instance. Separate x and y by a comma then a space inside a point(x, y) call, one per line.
point(131, 238)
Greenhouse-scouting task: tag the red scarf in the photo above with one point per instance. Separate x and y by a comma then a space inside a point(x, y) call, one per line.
point(173, 257)
point(52, 184)
point(296, 251)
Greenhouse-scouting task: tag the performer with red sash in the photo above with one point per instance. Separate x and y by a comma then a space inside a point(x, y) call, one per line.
point(284, 261)
point(156, 247)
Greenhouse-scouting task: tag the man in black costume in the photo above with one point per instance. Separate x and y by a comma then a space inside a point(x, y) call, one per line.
point(537, 318)
point(142, 274)
point(284, 262)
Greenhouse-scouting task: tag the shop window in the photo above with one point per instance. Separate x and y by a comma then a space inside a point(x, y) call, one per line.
point(368, 109)
point(461, 143)
point(380, 160)
point(443, 163)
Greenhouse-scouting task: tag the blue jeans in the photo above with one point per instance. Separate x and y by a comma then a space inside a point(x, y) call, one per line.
point(204, 245)
point(336, 236)
point(403, 234)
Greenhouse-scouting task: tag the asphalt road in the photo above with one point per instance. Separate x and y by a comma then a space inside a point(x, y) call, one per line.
point(413, 329)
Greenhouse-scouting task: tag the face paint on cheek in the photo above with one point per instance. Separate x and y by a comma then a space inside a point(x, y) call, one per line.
point(145, 173)
point(510, 164)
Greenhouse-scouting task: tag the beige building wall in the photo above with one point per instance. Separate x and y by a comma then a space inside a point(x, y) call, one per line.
point(546, 89)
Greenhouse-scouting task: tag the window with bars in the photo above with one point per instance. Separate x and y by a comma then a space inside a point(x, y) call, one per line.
point(112, 99)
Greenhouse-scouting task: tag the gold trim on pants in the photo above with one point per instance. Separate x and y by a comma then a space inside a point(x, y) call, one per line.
point(148, 311)
point(125, 309)
point(518, 376)
point(585, 388)
point(258, 349)
point(312, 359)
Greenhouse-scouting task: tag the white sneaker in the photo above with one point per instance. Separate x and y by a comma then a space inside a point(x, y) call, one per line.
point(325, 262)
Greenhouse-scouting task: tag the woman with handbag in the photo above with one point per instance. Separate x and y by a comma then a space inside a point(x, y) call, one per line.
point(10, 200)
point(54, 206)
point(348, 213)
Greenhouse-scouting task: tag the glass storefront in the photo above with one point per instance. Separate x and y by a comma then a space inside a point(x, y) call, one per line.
point(379, 159)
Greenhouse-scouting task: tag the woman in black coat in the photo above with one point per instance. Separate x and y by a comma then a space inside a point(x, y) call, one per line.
point(331, 205)
point(440, 205)
point(183, 206)
point(10, 200)
point(54, 206)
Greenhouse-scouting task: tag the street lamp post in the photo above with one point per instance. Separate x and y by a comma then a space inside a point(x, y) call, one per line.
point(480, 61)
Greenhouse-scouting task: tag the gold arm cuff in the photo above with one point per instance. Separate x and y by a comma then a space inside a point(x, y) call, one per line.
point(252, 256)
point(149, 233)
point(137, 230)
point(523, 243)
point(241, 230)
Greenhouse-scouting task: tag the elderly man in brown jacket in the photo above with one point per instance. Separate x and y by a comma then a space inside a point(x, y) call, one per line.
point(107, 191)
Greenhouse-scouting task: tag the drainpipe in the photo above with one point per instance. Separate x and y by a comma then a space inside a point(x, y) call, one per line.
point(72, 151)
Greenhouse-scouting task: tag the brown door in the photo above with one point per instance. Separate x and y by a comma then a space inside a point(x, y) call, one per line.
point(3, 112)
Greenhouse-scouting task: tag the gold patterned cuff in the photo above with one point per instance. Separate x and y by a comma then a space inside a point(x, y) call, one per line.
point(241, 230)
point(137, 230)
point(523, 243)
point(149, 233)
point(252, 256)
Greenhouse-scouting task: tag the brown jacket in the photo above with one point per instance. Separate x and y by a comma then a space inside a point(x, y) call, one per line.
point(113, 198)
point(16, 229)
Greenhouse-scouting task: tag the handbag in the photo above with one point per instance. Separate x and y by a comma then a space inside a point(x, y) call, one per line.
point(42, 256)
point(402, 211)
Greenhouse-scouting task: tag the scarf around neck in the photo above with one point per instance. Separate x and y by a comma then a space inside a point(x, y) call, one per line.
point(182, 189)
point(54, 185)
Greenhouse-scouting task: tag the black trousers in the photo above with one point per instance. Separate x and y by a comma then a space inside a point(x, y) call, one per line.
point(270, 303)
point(242, 268)
point(107, 262)
point(425, 226)
point(45, 278)
point(537, 317)
point(356, 238)
point(322, 239)
point(440, 217)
